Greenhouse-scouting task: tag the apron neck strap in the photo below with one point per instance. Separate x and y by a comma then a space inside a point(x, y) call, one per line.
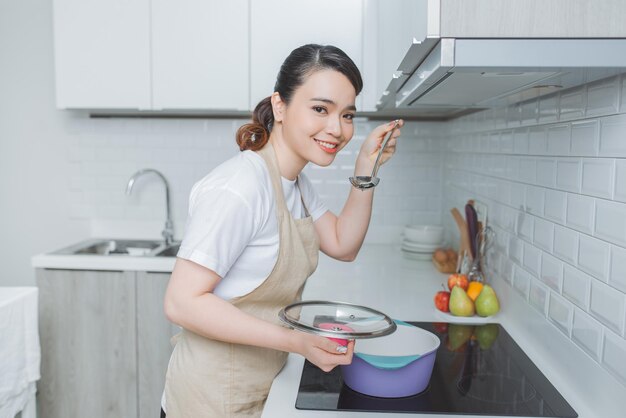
point(269, 155)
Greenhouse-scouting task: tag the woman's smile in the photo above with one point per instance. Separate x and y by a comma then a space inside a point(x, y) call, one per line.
point(326, 146)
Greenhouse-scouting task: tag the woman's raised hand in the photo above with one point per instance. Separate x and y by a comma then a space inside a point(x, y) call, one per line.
point(323, 352)
point(371, 147)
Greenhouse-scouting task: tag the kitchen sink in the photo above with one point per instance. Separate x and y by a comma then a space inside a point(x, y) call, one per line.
point(170, 251)
point(121, 247)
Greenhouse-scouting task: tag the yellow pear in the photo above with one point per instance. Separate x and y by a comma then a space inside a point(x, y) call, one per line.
point(460, 303)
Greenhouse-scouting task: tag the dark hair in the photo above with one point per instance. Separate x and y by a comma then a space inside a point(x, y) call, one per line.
point(302, 62)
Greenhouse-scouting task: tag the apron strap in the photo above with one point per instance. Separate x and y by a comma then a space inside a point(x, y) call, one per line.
point(269, 155)
point(306, 210)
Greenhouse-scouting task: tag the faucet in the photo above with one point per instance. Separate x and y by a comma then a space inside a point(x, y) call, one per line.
point(168, 231)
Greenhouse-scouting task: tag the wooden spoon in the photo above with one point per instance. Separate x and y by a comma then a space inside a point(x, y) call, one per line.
point(462, 225)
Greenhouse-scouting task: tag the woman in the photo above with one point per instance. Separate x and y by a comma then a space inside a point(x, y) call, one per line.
point(253, 236)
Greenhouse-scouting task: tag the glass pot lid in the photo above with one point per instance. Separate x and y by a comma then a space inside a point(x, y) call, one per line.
point(337, 319)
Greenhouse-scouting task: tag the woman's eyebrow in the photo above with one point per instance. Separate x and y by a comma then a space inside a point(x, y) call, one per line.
point(321, 99)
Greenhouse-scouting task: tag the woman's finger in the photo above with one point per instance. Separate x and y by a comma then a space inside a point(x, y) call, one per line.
point(381, 130)
point(331, 346)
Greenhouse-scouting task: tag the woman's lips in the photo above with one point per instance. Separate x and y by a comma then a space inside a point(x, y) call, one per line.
point(328, 147)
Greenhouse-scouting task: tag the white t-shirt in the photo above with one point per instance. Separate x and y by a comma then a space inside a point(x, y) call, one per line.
point(232, 226)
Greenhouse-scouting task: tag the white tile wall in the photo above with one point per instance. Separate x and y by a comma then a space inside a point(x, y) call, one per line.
point(537, 141)
point(535, 198)
point(612, 136)
point(532, 259)
point(608, 305)
point(560, 312)
point(614, 355)
point(555, 204)
point(104, 153)
point(620, 181)
point(552, 272)
point(521, 282)
point(576, 286)
point(580, 211)
point(598, 177)
point(587, 333)
point(566, 244)
point(559, 139)
point(593, 256)
point(543, 236)
point(617, 269)
point(585, 138)
point(538, 296)
point(556, 193)
point(568, 174)
point(611, 221)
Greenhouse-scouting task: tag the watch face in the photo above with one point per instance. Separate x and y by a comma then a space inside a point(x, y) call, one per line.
point(337, 319)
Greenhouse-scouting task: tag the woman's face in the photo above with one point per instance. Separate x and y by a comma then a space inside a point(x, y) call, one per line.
point(317, 123)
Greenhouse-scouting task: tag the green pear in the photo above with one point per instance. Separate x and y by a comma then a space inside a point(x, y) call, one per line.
point(458, 335)
point(460, 303)
point(486, 335)
point(487, 302)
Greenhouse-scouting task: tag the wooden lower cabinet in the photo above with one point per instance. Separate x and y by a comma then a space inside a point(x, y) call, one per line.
point(154, 332)
point(104, 343)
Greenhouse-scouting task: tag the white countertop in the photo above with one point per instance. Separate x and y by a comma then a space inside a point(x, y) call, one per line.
point(382, 279)
point(114, 262)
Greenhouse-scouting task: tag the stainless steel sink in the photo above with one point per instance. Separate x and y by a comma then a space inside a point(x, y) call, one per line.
point(122, 247)
point(170, 251)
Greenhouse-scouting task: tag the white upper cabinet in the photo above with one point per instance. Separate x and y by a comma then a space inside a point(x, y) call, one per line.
point(280, 26)
point(200, 54)
point(195, 55)
point(152, 54)
point(102, 56)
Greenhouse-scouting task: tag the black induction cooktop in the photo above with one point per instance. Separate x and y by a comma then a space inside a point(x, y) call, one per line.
point(479, 370)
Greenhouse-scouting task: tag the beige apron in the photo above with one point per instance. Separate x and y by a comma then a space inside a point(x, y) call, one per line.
point(209, 378)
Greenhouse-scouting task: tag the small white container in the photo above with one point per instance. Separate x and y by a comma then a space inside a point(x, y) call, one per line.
point(424, 234)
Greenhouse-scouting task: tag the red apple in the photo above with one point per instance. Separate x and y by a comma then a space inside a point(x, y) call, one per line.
point(440, 327)
point(442, 299)
point(458, 280)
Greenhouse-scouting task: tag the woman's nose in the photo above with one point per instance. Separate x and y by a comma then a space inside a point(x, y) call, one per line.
point(334, 127)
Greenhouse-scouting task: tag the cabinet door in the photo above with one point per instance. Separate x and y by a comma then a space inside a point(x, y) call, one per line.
point(200, 54)
point(102, 54)
point(153, 341)
point(400, 22)
point(280, 26)
point(88, 344)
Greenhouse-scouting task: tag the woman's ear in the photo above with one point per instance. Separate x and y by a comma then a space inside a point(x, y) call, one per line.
point(278, 106)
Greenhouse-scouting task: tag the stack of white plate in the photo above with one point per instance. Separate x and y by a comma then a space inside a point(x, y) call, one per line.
point(420, 241)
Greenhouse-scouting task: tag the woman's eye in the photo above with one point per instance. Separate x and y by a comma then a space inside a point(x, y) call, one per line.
point(349, 116)
point(319, 109)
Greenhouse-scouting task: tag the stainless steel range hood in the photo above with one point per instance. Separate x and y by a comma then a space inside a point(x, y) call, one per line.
point(453, 77)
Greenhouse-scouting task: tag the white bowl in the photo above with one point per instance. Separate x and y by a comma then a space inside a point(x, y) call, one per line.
point(424, 234)
point(420, 247)
point(416, 256)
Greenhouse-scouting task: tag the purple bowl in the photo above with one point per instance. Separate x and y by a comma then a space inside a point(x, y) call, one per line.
point(392, 382)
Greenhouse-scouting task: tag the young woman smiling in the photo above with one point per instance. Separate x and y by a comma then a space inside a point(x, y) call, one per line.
point(253, 235)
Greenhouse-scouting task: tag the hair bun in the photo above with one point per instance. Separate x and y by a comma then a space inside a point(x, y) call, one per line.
point(252, 136)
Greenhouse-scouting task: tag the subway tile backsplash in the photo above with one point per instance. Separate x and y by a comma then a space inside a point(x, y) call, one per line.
point(555, 187)
point(105, 152)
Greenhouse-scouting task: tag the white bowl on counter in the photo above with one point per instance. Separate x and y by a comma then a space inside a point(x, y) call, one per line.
point(424, 234)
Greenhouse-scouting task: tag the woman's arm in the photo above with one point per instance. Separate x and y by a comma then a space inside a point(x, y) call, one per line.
point(190, 303)
point(341, 236)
